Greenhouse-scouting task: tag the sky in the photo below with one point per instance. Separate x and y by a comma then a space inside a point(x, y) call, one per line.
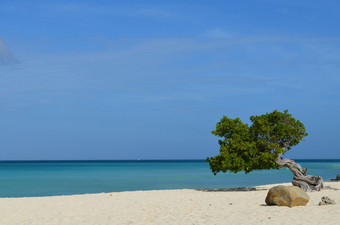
point(108, 80)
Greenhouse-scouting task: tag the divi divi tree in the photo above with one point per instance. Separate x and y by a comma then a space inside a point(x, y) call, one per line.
point(261, 146)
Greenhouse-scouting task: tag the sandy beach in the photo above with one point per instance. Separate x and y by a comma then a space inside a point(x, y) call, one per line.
point(168, 207)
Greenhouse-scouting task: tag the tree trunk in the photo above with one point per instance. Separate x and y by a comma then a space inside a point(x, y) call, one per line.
point(306, 183)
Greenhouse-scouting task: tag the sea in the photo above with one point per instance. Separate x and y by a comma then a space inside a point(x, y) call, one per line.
point(51, 178)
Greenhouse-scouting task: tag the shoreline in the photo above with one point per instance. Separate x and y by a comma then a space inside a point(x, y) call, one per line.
point(178, 206)
point(233, 189)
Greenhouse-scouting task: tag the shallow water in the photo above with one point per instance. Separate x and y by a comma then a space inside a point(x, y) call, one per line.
point(46, 178)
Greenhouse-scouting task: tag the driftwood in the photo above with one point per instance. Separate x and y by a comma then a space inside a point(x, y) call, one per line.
point(305, 182)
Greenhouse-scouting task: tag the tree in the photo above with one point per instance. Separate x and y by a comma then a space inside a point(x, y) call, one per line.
point(261, 146)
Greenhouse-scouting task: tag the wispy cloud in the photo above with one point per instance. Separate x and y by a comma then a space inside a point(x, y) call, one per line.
point(217, 33)
point(87, 9)
point(155, 12)
point(6, 57)
point(172, 70)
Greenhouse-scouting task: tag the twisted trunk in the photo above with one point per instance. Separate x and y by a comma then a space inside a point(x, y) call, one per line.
point(306, 183)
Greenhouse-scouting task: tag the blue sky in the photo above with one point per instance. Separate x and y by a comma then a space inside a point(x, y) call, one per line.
point(150, 79)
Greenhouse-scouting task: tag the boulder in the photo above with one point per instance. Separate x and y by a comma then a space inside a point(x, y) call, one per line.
point(287, 196)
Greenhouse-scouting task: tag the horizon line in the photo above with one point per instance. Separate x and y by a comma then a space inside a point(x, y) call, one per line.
point(134, 160)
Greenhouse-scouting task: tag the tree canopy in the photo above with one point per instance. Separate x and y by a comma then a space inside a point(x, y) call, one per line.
point(255, 147)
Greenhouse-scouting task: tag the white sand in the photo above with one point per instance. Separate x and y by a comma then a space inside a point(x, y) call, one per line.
point(168, 207)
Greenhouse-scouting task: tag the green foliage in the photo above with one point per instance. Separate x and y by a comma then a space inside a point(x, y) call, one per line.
point(255, 147)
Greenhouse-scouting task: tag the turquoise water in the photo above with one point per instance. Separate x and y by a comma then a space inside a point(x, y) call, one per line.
point(46, 178)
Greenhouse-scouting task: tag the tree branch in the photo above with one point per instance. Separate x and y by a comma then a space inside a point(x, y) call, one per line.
point(307, 183)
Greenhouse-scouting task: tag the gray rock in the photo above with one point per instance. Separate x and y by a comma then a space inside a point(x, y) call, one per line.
point(337, 178)
point(287, 196)
point(326, 201)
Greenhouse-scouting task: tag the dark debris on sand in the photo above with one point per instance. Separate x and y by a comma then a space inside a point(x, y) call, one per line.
point(228, 189)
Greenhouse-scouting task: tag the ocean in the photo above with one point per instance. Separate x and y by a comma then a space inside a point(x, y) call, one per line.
point(49, 178)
